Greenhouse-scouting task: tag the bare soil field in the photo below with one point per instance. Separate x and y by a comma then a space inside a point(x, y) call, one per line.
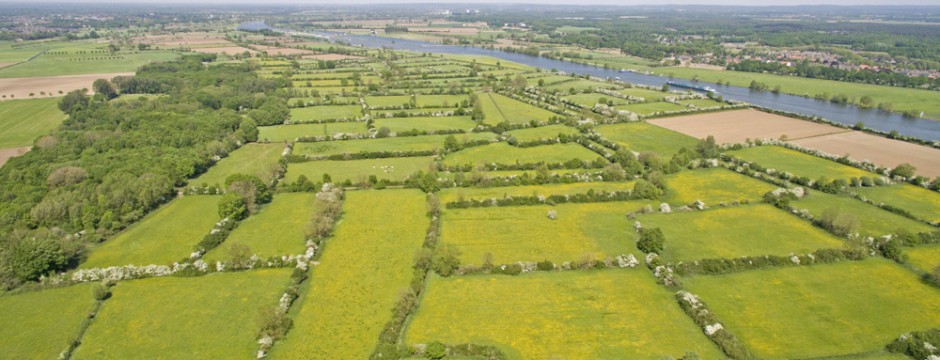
point(740, 125)
point(183, 40)
point(6, 154)
point(5, 64)
point(876, 149)
point(276, 51)
point(335, 57)
point(230, 50)
point(20, 88)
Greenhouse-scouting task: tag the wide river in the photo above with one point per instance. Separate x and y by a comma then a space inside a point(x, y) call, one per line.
point(846, 114)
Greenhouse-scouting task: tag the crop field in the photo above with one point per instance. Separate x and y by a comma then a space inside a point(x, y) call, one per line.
point(208, 317)
point(739, 125)
point(48, 86)
point(331, 112)
point(872, 220)
point(502, 153)
point(404, 144)
point(641, 137)
point(363, 270)
point(542, 132)
point(426, 123)
point(824, 310)
point(22, 121)
point(498, 108)
point(576, 315)
point(525, 233)
point(356, 171)
point(878, 150)
point(275, 231)
point(798, 163)
point(713, 186)
point(459, 194)
point(75, 63)
point(732, 232)
point(30, 330)
point(650, 108)
point(920, 202)
point(294, 131)
point(166, 235)
point(253, 159)
point(926, 258)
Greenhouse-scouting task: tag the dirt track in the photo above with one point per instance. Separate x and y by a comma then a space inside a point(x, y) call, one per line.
point(879, 150)
point(740, 125)
point(20, 88)
point(6, 154)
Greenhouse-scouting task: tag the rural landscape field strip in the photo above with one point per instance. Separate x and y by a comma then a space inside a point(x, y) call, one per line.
point(31, 331)
point(260, 160)
point(22, 121)
point(739, 125)
point(275, 231)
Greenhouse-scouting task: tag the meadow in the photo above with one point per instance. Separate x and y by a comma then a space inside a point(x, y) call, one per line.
point(404, 144)
point(396, 169)
point(650, 108)
point(458, 194)
point(279, 133)
point(645, 94)
point(752, 230)
point(259, 160)
point(641, 137)
point(40, 324)
point(872, 220)
point(277, 230)
point(922, 203)
point(163, 237)
point(798, 163)
point(207, 317)
point(325, 112)
point(818, 311)
point(364, 267)
point(75, 63)
point(543, 132)
point(612, 314)
point(926, 258)
point(498, 108)
point(440, 100)
point(579, 85)
point(22, 121)
point(713, 186)
point(502, 153)
point(426, 123)
point(590, 99)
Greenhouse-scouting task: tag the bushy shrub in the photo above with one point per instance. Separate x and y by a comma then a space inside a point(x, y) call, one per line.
point(435, 350)
point(545, 265)
point(914, 344)
point(445, 261)
point(839, 222)
point(651, 240)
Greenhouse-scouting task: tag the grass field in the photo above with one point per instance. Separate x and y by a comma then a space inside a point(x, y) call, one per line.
point(920, 202)
point(872, 220)
point(799, 164)
point(498, 108)
point(363, 270)
point(641, 137)
point(277, 230)
point(645, 94)
point(816, 311)
point(208, 317)
point(291, 132)
point(579, 85)
point(40, 324)
point(22, 121)
point(542, 132)
point(713, 186)
point(440, 100)
point(325, 112)
point(253, 159)
point(359, 170)
point(456, 194)
point(737, 231)
point(426, 123)
point(702, 103)
point(163, 237)
point(406, 143)
point(387, 101)
point(612, 314)
point(525, 233)
point(593, 98)
point(650, 108)
point(925, 258)
point(502, 153)
point(75, 64)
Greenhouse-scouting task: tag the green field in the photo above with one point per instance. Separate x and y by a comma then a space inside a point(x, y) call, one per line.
point(387, 101)
point(650, 108)
point(22, 121)
point(579, 85)
point(925, 258)
point(440, 100)
point(798, 163)
point(614, 314)
point(253, 159)
point(920, 202)
point(872, 220)
point(208, 317)
point(359, 170)
point(641, 137)
point(737, 231)
point(163, 237)
point(525, 233)
point(406, 143)
point(325, 112)
point(816, 311)
point(77, 64)
point(498, 108)
point(426, 123)
point(275, 231)
point(542, 132)
point(646, 94)
point(593, 98)
point(364, 267)
point(713, 186)
point(40, 324)
point(294, 131)
point(458, 194)
point(502, 153)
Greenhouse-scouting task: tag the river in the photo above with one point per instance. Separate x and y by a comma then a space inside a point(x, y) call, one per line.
point(847, 114)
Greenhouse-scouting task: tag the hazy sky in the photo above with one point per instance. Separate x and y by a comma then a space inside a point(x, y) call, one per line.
point(555, 2)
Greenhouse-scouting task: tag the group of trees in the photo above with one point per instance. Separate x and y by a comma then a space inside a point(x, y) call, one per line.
point(809, 70)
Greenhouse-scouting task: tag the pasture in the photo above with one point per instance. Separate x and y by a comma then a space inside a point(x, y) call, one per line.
point(798, 163)
point(207, 317)
point(872, 220)
point(426, 123)
point(642, 137)
point(713, 186)
point(260, 160)
point(22, 121)
point(404, 144)
point(502, 153)
point(650, 108)
point(459, 194)
point(543, 132)
point(82, 61)
point(278, 229)
point(920, 202)
point(612, 314)
point(364, 267)
point(294, 131)
point(325, 112)
point(645, 94)
point(926, 258)
point(163, 237)
point(40, 324)
point(424, 101)
point(818, 311)
point(498, 108)
point(590, 99)
point(356, 171)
